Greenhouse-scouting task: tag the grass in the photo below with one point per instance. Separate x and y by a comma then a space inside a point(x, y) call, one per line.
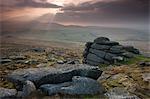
point(135, 60)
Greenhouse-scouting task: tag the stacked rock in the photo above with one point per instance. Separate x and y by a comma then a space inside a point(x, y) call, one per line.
point(104, 51)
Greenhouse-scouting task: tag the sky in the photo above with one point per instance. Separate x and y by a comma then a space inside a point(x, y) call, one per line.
point(123, 13)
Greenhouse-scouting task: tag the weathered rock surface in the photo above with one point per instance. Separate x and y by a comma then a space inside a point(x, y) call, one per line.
point(59, 74)
point(83, 85)
point(7, 93)
point(120, 93)
point(78, 86)
point(28, 88)
point(104, 51)
point(51, 89)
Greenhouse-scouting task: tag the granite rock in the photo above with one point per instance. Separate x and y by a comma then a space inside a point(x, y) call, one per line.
point(59, 74)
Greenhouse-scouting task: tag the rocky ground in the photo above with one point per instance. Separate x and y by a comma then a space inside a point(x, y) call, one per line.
point(129, 78)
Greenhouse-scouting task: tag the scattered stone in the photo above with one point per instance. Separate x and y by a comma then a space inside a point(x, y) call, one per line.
point(38, 49)
point(120, 93)
point(31, 62)
point(146, 76)
point(59, 74)
point(20, 61)
point(73, 62)
point(60, 62)
point(3, 61)
point(144, 63)
point(7, 93)
point(17, 57)
point(41, 65)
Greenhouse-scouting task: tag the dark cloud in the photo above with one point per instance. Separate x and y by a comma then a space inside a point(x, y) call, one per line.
point(110, 11)
point(27, 3)
point(114, 6)
point(32, 3)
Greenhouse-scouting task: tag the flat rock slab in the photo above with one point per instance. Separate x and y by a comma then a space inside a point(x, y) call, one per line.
point(78, 86)
point(7, 93)
point(49, 75)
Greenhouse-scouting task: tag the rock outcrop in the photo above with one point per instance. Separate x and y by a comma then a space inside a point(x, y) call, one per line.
point(49, 75)
point(66, 79)
point(104, 51)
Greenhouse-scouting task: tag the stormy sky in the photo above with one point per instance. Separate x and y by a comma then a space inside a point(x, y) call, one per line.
point(125, 13)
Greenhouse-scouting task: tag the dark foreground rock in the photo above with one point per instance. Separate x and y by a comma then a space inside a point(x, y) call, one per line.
point(49, 75)
point(7, 93)
point(104, 51)
point(78, 86)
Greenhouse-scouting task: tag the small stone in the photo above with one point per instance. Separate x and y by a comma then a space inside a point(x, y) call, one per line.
point(31, 62)
point(17, 57)
point(41, 65)
point(7, 93)
point(38, 49)
point(144, 63)
point(60, 62)
point(146, 76)
point(73, 62)
point(3, 61)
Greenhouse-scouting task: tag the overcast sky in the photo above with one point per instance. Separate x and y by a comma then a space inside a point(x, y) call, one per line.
point(78, 12)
